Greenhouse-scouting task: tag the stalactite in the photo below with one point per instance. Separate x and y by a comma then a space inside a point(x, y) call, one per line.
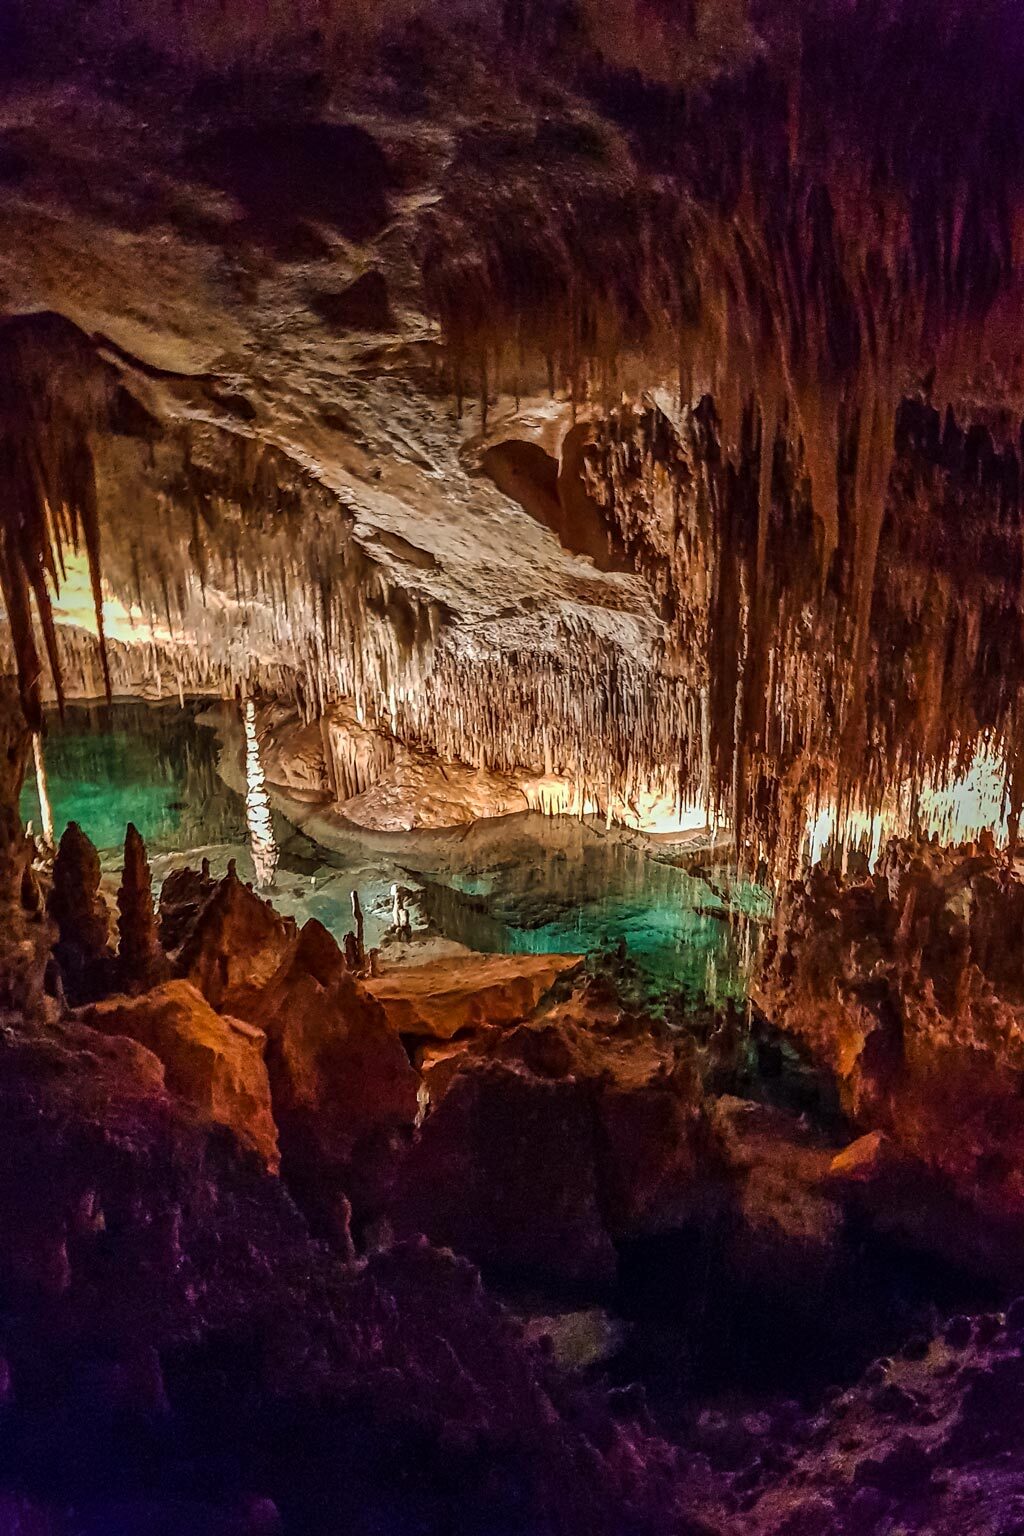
point(43, 792)
point(259, 820)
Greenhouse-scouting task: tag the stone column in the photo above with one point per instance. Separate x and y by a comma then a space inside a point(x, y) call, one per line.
point(25, 934)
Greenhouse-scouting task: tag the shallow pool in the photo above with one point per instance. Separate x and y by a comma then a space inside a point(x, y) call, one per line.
point(521, 884)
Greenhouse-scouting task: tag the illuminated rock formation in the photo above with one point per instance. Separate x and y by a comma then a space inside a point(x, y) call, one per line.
point(908, 986)
point(141, 962)
point(211, 1062)
point(25, 935)
point(344, 1091)
point(236, 945)
point(445, 997)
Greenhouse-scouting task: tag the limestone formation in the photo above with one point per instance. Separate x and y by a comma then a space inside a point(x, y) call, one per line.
point(212, 1062)
point(344, 1091)
point(237, 943)
point(443, 997)
point(83, 950)
point(141, 962)
point(25, 936)
point(908, 986)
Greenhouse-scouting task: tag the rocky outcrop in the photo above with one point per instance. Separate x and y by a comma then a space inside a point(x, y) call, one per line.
point(212, 1062)
point(504, 1171)
point(83, 951)
point(236, 945)
point(344, 1091)
point(162, 1292)
point(590, 1129)
point(909, 987)
point(462, 992)
point(785, 1229)
point(183, 896)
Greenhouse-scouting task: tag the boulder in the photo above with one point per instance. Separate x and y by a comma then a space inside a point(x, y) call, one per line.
point(212, 1062)
point(183, 896)
point(786, 1227)
point(462, 992)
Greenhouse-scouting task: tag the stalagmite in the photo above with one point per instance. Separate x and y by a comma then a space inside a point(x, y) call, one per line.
point(141, 962)
point(76, 905)
point(258, 817)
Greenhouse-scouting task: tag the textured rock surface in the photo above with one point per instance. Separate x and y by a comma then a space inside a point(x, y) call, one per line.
point(909, 987)
point(235, 946)
point(161, 1292)
point(561, 1137)
point(344, 1090)
point(214, 1063)
point(75, 904)
point(25, 935)
point(444, 997)
point(141, 962)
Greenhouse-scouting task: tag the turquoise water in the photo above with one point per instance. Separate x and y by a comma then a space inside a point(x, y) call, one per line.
point(522, 885)
point(146, 763)
point(690, 933)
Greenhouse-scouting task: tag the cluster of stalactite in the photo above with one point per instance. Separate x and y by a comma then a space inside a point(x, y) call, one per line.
point(585, 710)
point(53, 396)
point(245, 556)
point(801, 709)
point(827, 233)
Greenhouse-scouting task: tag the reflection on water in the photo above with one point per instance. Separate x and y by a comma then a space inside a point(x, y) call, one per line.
point(691, 933)
point(146, 763)
point(524, 884)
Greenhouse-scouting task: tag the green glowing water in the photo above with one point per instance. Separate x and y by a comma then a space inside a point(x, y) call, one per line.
point(526, 885)
point(147, 763)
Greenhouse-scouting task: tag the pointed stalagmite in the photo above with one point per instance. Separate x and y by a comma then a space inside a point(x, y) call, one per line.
point(75, 904)
point(141, 962)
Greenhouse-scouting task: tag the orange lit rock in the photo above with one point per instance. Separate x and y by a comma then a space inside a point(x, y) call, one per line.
point(909, 987)
point(212, 1062)
point(236, 946)
point(344, 1090)
point(461, 992)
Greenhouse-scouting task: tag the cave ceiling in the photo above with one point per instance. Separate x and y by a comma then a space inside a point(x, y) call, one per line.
point(627, 391)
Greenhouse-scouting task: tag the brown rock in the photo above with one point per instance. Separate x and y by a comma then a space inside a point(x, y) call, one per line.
point(238, 944)
point(75, 904)
point(214, 1063)
point(786, 1229)
point(864, 1160)
point(504, 1172)
point(25, 935)
point(461, 992)
point(141, 962)
point(344, 1090)
point(183, 895)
